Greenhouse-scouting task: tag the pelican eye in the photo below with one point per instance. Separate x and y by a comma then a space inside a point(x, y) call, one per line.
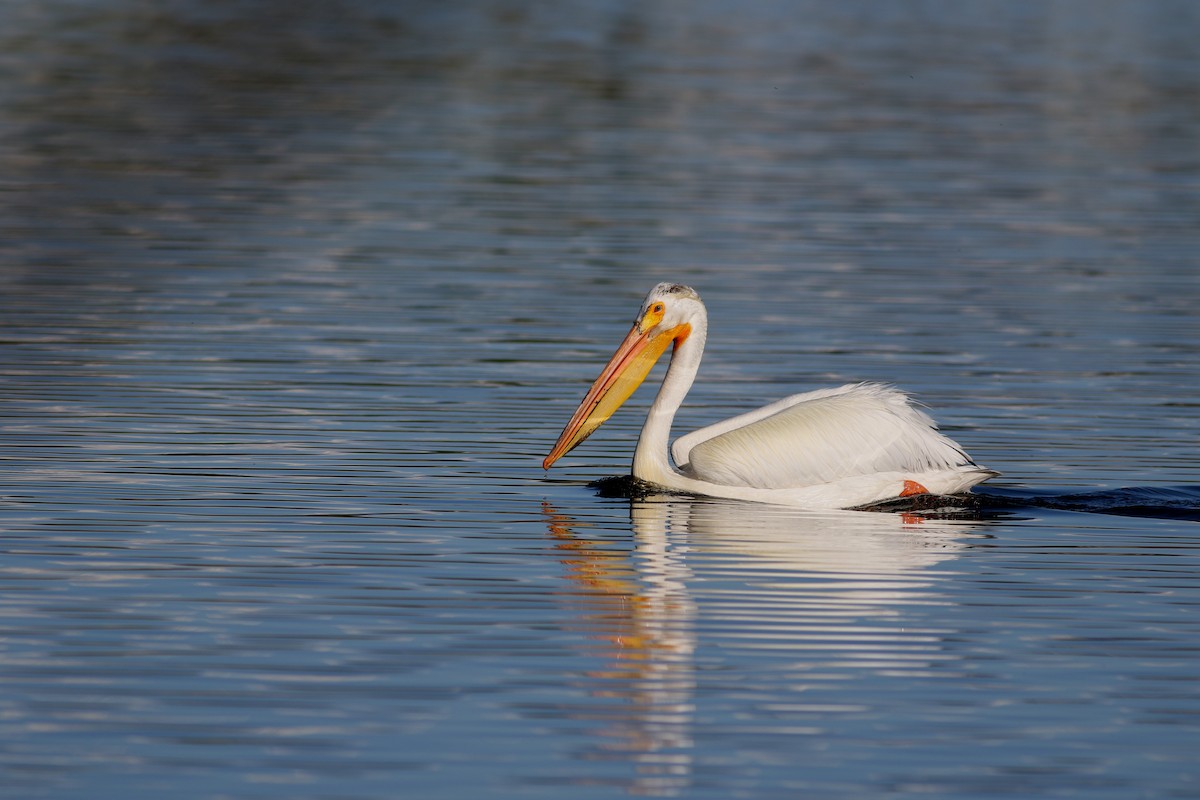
point(652, 316)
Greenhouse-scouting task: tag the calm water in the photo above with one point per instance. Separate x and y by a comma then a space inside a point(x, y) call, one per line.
point(293, 301)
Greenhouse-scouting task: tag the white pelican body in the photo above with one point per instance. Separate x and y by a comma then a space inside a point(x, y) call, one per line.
point(832, 448)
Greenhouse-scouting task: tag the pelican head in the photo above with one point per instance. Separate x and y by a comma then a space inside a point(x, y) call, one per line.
point(665, 318)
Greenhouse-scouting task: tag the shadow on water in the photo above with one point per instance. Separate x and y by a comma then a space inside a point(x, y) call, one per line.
point(999, 502)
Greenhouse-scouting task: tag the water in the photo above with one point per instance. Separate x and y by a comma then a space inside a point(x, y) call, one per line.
point(295, 300)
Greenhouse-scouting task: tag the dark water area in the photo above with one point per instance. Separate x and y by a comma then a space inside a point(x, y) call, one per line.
point(294, 299)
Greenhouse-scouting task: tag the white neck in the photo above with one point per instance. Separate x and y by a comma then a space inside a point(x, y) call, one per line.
point(651, 459)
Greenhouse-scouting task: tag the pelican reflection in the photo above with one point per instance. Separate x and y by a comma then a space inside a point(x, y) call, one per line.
point(831, 593)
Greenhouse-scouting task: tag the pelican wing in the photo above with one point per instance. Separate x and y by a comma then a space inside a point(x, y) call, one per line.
point(819, 437)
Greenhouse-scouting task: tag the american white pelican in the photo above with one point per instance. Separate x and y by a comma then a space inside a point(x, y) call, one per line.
point(833, 448)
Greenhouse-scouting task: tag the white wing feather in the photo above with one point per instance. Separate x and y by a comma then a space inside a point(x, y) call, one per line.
point(819, 437)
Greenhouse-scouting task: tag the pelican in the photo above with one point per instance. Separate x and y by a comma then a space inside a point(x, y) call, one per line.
point(832, 448)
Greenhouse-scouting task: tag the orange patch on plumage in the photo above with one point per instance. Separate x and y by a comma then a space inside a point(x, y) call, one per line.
point(912, 488)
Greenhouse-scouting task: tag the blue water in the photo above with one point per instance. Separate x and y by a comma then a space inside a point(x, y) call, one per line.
point(294, 300)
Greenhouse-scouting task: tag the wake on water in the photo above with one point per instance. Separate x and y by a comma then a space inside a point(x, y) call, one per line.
point(1159, 502)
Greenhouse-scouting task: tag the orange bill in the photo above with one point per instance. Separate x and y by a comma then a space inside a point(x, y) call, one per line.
point(624, 372)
